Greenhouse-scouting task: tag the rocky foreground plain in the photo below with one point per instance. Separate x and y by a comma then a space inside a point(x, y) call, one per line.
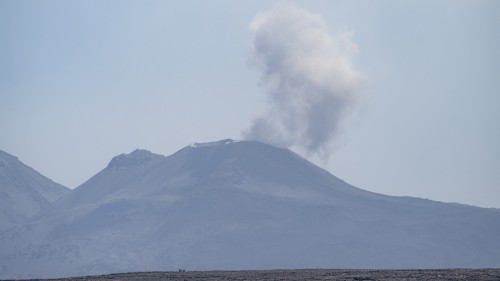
point(302, 274)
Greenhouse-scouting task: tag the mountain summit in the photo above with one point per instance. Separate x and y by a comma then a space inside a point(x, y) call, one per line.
point(240, 205)
point(136, 158)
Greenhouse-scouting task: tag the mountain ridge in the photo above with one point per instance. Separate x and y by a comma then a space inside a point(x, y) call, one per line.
point(23, 190)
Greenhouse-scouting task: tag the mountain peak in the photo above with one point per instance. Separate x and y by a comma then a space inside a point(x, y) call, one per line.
point(135, 158)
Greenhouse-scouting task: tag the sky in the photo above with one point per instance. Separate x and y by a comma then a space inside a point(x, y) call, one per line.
point(84, 81)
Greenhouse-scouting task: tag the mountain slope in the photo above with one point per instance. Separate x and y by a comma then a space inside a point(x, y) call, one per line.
point(23, 191)
point(240, 205)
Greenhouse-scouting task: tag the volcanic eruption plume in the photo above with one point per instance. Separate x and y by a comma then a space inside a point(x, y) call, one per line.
point(308, 75)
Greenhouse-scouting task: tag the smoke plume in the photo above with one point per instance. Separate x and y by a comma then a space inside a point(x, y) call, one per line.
point(308, 75)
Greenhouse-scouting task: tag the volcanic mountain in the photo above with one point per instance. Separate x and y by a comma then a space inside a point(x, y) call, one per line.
point(240, 205)
point(23, 191)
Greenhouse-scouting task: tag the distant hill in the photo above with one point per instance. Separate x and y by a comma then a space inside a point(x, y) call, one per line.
point(240, 205)
point(23, 191)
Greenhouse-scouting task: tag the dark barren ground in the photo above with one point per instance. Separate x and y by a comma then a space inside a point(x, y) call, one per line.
point(305, 274)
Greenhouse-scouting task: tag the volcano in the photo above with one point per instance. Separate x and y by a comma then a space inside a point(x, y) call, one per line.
point(236, 205)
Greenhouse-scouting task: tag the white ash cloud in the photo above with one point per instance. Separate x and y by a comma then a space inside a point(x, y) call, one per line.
point(309, 78)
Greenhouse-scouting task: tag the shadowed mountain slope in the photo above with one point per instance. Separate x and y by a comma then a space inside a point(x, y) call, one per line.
point(23, 191)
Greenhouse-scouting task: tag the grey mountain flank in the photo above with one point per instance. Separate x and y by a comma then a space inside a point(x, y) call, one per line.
point(237, 205)
point(23, 191)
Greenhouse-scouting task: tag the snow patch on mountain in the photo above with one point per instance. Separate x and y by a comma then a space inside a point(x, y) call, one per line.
point(214, 143)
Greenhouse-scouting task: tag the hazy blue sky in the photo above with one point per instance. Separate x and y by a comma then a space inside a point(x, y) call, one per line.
point(83, 81)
